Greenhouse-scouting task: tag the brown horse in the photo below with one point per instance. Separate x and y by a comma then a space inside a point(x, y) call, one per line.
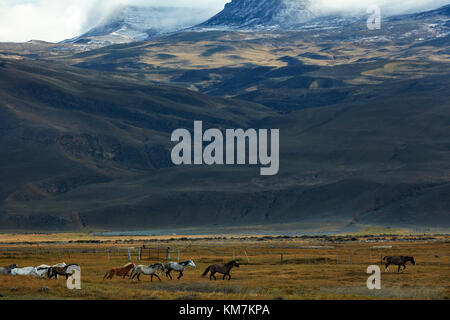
point(220, 268)
point(120, 272)
point(399, 261)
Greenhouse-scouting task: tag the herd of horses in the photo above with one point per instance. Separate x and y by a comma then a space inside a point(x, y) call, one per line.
point(41, 271)
point(133, 271)
point(129, 270)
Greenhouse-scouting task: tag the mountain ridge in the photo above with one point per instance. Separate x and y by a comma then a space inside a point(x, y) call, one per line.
point(261, 14)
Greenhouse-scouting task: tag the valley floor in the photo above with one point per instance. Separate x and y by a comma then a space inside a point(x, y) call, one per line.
point(270, 267)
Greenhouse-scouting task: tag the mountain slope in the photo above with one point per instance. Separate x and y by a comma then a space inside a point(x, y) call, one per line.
point(136, 23)
point(88, 150)
point(64, 129)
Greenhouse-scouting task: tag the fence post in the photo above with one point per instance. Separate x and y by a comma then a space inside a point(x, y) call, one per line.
point(234, 254)
point(178, 255)
point(248, 260)
point(139, 254)
point(281, 258)
point(129, 254)
point(168, 254)
point(107, 253)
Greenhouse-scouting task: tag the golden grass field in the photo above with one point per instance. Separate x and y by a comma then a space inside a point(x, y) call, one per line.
point(311, 268)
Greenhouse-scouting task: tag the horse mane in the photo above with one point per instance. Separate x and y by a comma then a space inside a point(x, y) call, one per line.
point(128, 264)
point(155, 264)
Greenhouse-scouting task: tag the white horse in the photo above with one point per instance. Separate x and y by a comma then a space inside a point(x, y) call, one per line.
point(27, 271)
point(178, 267)
point(147, 270)
point(42, 270)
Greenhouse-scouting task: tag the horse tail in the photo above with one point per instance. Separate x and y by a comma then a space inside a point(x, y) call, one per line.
point(49, 272)
point(107, 273)
point(385, 258)
point(206, 271)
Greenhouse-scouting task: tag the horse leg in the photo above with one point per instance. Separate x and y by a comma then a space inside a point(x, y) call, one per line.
point(399, 266)
point(168, 274)
point(387, 267)
point(229, 276)
point(224, 276)
point(157, 277)
point(180, 275)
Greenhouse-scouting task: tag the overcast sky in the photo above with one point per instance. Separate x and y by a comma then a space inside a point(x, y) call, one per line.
point(56, 20)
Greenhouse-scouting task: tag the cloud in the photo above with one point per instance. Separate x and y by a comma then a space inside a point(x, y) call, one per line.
point(56, 20)
point(47, 20)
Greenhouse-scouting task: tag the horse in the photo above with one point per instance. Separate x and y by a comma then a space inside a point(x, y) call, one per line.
point(178, 267)
point(121, 272)
point(400, 261)
point(62, 271)
point(147, 270)
point(27, 271)
point(7, 270)
point(220, 268)
point(42, 269)
point(59, 265)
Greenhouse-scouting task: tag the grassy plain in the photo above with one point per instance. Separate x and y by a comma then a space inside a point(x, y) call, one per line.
point(271, 267)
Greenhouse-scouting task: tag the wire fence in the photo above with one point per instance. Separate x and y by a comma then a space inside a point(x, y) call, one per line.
point(308, 255)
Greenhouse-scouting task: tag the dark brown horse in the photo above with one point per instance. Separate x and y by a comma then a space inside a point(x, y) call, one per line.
point(399, 261)
point(59, 271)
point(220, 268)
point(120, 272)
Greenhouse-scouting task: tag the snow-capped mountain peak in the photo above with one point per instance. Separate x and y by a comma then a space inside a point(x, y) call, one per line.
point(251, 14)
